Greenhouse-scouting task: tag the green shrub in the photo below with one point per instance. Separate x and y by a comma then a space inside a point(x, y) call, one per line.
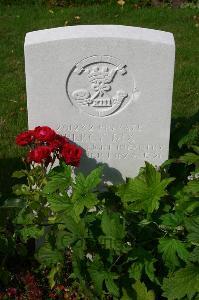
point(136, 240)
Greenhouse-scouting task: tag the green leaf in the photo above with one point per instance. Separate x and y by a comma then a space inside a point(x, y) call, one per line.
point(194, 255)
point(31, 232)
point(135, 271)
point(172, 220)
point(14, 203)
point(24, 217)
point(94, 178)
point(143, 258)
point(184, 282)
point(58, 181)
point(150, 270)
point(192, 226)
point(83, 196)
point(99, 274)
point(192, 188)
point(21, 189)
point(190, 158)
point(20, 174)
point(114, 231)
point(51, 276)
point(74, 235)
point(110, 284)
point(142, 293)
point(49, 257)
point(59, 203)
point(145, 191)
point(172, 250)
point(185, 202)
point(125, 295)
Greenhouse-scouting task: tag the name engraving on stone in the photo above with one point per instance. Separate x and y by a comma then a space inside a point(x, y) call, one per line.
point(101, 84)
point(122, 143)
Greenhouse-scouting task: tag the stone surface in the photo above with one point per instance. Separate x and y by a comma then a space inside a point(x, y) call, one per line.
point(107, 88)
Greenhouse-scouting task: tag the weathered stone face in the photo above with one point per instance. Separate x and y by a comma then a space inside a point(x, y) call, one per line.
point(107, 88)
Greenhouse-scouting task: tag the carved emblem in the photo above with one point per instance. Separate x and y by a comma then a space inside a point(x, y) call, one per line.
point(102, 86)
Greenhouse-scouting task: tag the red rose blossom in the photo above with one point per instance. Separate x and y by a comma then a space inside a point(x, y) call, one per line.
point(44, 133)
point(71, 154)
point(39, 154)
point(11, 292)
point(25, 138)
point(58, 142)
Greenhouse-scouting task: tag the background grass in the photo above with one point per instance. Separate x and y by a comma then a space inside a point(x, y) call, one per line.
point(15, 21)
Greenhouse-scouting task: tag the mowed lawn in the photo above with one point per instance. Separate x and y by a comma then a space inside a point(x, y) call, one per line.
point(15, 21)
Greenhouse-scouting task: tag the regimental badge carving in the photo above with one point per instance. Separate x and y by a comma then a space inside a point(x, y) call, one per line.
point(101, 86)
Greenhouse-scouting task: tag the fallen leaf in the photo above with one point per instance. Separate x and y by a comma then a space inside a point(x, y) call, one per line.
point(77, 17)
point(121, 2)
point(22, 109)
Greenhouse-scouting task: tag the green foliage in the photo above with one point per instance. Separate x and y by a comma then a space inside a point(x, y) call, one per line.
point(136, 240)
point(142, 293)
point(145, 191)
point(172, 250)
point(184, 282)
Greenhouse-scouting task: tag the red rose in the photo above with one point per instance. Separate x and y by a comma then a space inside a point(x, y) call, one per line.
point(71, 154)
point(44, 133)
point(25, 138)
point(11, 292)
point(58, 142)
point(39, 154)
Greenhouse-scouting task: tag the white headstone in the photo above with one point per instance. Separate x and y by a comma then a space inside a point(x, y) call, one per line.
point(108, 88)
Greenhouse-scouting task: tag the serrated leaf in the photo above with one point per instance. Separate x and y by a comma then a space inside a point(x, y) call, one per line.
point(145, 191)
point(74, 235)
point(150, 270)
point(19, 174)
point(111, 286)
point(146, 260)
point(190, 158)
point(83, 195)
point(142, 293)
point(194, 255)
point(185, 202)
point(58, 181)
point(94, 178)
point(172, 250)
point(99, 274)
point(125, 295)
point(51, 276)
point(135, 270)
point(59, 203)
point(182, 283)
point(24, 217)
point(31, 232)
point(192, 226)
point(114, 231)
point(192, 188)
point(49, 257)
point(172, 220)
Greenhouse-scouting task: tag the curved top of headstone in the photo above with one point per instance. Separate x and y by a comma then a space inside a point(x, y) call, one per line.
point(99, 31)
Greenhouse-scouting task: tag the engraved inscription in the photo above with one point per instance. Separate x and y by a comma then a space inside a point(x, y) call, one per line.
point(107, 142)
point(102, 85)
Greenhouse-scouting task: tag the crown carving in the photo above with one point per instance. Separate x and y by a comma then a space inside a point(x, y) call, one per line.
point(103, 73)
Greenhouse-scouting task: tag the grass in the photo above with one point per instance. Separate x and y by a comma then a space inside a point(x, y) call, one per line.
point(15, 21)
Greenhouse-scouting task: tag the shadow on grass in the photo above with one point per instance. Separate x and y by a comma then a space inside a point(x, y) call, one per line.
point(7, 167)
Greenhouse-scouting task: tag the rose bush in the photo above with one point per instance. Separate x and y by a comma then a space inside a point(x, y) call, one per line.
point(136, 240)
point(46, 145)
